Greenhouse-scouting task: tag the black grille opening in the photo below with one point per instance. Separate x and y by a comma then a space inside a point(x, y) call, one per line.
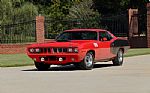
point(64, 49)
point(53, 50)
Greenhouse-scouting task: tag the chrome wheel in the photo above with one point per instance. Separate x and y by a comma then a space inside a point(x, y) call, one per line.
point(118, 60)
point(88, 62)
point(120, 56)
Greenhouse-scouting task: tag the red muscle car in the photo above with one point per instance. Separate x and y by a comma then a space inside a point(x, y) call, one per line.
point(81, 47)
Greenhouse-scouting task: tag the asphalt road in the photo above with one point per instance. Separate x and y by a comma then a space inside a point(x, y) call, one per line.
point(132, 77)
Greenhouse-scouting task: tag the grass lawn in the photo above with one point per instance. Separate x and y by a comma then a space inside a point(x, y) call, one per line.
point(24, 60)
point(15, 60)
point(138, 51)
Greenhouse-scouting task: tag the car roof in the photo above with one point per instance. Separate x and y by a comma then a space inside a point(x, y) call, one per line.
point(86, 30)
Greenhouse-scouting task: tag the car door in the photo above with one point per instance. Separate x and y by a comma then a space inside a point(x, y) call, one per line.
point(104, 44)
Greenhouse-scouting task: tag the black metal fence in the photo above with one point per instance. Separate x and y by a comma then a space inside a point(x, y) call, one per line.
point(142, 24)
point(18, 33)
point(118, 25)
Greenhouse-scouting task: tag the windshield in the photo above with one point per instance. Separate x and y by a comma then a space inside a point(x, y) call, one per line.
point(77, 35)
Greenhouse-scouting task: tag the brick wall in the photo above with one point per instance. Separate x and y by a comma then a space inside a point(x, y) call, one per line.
point(40, 29)
point(48, 40)
point(138, 42)
point(13, 48)
point(133, 22)
point(148, 25)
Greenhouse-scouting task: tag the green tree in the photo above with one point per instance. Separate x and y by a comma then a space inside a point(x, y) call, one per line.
point(6, 10)
point(87, 16)
point(15, 10)
point(56, 14)
point(107, 7)
point(26, 12)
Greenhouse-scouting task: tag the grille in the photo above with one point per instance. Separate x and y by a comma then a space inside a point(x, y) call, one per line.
point(53, 50)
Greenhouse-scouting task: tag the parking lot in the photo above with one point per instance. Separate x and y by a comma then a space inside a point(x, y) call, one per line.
point(132, 77)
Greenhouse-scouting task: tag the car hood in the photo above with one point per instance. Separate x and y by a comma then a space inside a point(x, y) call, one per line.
point(73, 43)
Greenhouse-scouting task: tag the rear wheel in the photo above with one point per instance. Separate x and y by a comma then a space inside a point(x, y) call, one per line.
point(41, 66)
point(118, 59)
point(88, 62)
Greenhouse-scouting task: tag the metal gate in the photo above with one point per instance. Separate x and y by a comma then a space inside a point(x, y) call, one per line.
point(22, 32)
point(118, 25)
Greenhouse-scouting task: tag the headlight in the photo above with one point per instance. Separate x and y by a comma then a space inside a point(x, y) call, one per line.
point(70, 50)
point(76, 50)
point(34, 50)
point(31, 50)
point(73, 50)
point(37, 50)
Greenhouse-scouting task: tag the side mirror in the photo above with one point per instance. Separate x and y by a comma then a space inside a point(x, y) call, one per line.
point(104, 39)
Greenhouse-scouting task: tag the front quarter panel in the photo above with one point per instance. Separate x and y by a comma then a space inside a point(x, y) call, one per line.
point(90, 46)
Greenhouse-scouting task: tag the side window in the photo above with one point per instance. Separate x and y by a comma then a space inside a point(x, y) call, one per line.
point(109, 37)
point(104, 36)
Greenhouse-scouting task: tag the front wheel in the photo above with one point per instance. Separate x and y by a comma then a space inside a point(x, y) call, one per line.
point(88, 62)
point(41, 66)
point(118, 60)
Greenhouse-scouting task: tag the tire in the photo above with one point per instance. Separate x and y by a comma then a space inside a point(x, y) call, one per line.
point(88, 62)
point(118, 60)
point(41, 66)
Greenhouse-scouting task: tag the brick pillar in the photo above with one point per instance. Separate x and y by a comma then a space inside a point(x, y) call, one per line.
point(148, 25)
point(40, 29)
point(133, 22)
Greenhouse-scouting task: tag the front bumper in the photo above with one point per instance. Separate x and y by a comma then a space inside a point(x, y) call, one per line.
point(56, 59)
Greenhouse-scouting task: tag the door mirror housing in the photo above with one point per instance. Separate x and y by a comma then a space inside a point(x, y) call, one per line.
point(104, 39)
